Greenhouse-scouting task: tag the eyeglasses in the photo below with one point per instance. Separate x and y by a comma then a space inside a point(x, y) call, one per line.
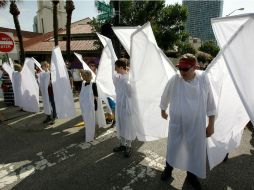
point(184, 69)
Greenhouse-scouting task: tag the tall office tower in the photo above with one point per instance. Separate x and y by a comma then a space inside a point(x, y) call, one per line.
point(43, 21)
point(198, 23)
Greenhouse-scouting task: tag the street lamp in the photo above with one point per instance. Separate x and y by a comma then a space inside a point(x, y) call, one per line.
point(240, 9)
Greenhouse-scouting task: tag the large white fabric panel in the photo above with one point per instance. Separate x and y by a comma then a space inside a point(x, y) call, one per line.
point(231, 115)
point(29, 87)
point(225, 28)
point(124, 35)
point(106, 67)
point(61, 86)
point(239, 59)
point(147, 73)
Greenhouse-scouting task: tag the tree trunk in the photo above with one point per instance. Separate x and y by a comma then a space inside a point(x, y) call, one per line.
point(55, 21)
point(15, 13)
point(69, 8)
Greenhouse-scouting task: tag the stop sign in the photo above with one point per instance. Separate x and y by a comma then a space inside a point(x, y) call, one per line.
point(6, 43)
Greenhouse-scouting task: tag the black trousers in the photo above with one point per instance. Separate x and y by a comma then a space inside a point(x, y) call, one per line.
point(169, 169)
point(52, 102)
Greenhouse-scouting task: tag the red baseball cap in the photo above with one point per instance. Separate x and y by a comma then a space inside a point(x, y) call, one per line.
point(186, 63)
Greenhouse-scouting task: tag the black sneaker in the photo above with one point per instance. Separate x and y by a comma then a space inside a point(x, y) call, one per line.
point(52, 122)
point(127, 152)
point(47, 119)
point(226, 158)
point(113, 124)
point(194, 182)
point(166, 174)
point(119, 148)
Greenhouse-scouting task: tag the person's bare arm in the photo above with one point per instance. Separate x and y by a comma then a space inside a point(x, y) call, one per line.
point(164, 115)
point(210, 127)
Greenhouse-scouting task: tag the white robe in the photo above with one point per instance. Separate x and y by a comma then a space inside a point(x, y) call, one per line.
point(124, 120)
point(190, 102)
point(44, 79)
point(16, 84)
point(90, 116)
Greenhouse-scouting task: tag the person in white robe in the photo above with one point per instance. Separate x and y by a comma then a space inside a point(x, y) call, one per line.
point(16, 80)
point(90, 105)
point(190, 100)
point(124, 122)
point(44, 80)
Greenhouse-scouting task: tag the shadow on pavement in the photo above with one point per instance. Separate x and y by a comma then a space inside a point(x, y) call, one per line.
point(98, 168)
point(236, 173)
point(24, 139)
point(39, 156)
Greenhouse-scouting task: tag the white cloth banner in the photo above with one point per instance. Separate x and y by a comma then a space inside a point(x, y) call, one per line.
point(37, 64)
point(238, 55)
point(148, 72)
point(85, 66)
point(230, 75)
point(106, 67)
point(29, 87)
point(124, 35)
point(61, 86)
point(231, 115)
point(11, 63)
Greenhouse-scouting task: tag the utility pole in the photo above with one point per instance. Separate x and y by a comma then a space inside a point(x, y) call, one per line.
point(117, 22)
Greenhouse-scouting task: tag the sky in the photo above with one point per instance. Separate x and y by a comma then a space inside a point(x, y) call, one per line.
point(86, 8)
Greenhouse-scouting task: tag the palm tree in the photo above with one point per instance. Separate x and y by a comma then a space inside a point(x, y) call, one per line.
point(3, 3)
point(55, 21)
point(69, 7)
point(15, 13)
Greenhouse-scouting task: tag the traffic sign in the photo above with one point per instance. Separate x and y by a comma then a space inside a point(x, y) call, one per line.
point(102, 6)
point(6, 42)
point(106, 9)
point(104, 16)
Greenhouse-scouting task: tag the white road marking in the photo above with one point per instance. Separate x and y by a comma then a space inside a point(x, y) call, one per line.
point(12, 174)
point(141, 171)
point(104, 157)
point(9, 177)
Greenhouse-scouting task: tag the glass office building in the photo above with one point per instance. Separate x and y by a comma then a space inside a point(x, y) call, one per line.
point(200, 12)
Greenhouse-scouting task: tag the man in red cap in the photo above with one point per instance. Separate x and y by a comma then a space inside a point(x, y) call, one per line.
point(191, 101)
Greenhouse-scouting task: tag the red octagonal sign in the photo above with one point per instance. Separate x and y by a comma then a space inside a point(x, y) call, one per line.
point(6, 43)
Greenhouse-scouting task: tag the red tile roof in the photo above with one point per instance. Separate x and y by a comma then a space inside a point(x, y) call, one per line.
point(37, 42)
point(85, 45)
point(79, 27)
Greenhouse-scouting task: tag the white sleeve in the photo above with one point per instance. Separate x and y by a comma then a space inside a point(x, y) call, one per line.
point(166, 94)
point(211, 107)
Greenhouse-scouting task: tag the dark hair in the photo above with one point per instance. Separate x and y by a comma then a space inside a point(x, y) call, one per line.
point(122, 62)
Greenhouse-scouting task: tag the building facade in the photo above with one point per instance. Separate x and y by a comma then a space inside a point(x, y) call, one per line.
point(83, 41)
point(200, 13)
point(43, 21)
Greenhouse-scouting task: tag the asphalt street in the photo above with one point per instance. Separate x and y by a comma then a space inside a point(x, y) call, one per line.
point(36, 156)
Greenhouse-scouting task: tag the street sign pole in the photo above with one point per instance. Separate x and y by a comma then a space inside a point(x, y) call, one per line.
point(8, 60)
